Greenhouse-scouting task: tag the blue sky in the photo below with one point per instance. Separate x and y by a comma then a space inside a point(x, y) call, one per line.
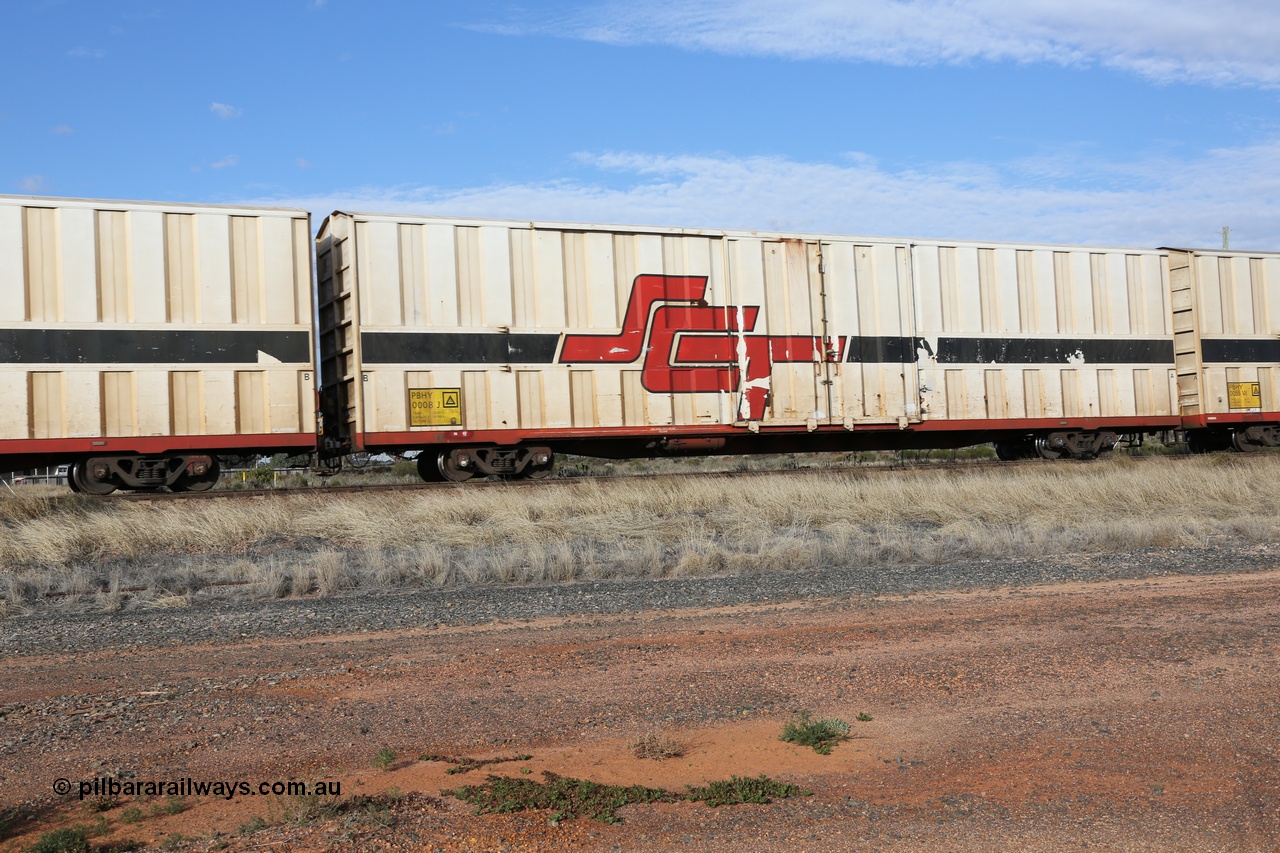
point(1024, 120)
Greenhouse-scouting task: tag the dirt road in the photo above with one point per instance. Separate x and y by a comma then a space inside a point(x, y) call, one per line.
point(1119, 715)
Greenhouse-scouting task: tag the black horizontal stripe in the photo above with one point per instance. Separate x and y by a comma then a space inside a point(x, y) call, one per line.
point(1054, 350)
point(951, 350)
point(151, 346)
point(885, 350)
point(457, 348)
point(495, 348)
point(1240, 350)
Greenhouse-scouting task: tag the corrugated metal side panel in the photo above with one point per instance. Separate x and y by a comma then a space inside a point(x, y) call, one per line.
point(1019, 307)
point(852, 328)
point(879, 393)
point(782, 278)
point(13, 297)
point(41, 248)
point(489, 282)
point(437, 279)
point(117, 291)
point(46, 401)
point(1236, 310)
point(694, 255)
point(180, 272)
point(789, 291)
point(119, 403)
point(142, 239)
point(186, 388)
point(113, 266)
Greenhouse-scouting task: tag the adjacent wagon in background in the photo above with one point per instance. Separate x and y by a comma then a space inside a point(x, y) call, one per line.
point(139, 340)
point(1226, 320)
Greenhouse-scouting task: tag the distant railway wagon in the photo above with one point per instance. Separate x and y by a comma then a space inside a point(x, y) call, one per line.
point(142, 341)
point(139, 341)
point(1226, 324)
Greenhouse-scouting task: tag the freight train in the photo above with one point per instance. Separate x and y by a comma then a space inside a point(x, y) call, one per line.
point(141, 342)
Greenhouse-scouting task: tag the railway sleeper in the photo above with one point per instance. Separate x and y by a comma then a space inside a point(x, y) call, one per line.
point(102, 475)
point(462, 464)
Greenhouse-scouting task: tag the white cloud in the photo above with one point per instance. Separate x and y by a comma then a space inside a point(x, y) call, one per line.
point(1144, 204)
point(1225, 42)
point(301, 163)
point(63, 130)
point(225, 111)
point(32, 184)
point(226, 162)
point(86, 53)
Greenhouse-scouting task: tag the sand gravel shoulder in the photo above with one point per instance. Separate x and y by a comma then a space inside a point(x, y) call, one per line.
point(1124, 714)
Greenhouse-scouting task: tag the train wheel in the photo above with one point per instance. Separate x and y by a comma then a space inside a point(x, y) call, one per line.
point(452, 471)
point(85, 478)
point(540, 471)
point(1012, 451)
point(1044, 451)
point(198, 482)
point(1208, 441)
point(1241, 443)
point(429, 467)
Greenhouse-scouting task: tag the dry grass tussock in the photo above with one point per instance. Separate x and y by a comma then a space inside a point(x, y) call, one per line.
point(657, 745)
point(167, 555)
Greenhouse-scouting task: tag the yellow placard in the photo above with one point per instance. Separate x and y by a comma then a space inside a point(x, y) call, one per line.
point(1244, 395)
point(435, 407)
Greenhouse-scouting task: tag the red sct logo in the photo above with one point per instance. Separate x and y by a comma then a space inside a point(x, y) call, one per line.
point(687, 346)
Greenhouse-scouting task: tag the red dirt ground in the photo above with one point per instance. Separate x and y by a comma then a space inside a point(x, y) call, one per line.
point(1123, 715)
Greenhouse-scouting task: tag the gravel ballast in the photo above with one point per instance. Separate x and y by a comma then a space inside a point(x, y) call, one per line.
point(52, 629)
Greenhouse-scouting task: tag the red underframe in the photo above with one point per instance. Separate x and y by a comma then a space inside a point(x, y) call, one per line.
point(1195, 421)
point(305, 442)
point(158, 444)
point(375, 441)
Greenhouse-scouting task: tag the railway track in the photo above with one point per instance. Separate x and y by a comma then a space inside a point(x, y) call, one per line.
point(906, 466)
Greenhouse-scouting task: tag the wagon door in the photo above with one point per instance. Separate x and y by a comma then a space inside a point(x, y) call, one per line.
point(870, 312)
point(778, 317)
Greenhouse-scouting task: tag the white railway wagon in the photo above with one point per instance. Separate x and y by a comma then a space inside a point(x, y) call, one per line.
point(1069, 345)
point(1226, 314)
point(493, 344)
point(138, 339)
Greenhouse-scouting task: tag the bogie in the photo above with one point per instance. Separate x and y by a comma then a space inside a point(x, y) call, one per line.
point(461, 464)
